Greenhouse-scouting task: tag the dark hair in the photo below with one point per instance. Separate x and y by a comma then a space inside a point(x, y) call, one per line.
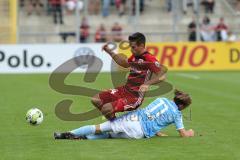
point(206, 20)
point(137, 37)
point(182, 99)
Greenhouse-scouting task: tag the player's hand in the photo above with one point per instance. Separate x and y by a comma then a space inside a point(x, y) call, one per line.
point(106, 48)
point(190, 133)
point(143, 88)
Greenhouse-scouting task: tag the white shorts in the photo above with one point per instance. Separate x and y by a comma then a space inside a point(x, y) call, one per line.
point(128, 124)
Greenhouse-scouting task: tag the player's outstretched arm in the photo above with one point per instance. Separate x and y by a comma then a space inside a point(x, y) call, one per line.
point(118, 58)
point(157, 79)
point(186, 133)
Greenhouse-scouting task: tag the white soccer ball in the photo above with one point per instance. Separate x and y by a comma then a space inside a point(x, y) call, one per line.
point(34, 116)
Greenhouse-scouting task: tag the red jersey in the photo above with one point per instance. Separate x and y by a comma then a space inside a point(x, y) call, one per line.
point(141, 69)
point(56, 2)
point(220, 27)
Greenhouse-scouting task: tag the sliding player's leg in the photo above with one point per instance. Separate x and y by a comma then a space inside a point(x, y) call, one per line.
point(92, 129)
point(128, 124)
point(103, 131)
point(78, 133)
point(121, 135)
point(107, 135)
point(98, 136)
point(125, 126)
point(82, 132)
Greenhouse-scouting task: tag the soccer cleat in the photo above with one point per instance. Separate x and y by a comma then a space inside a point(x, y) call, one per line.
point(59, 135)
point(65, 135)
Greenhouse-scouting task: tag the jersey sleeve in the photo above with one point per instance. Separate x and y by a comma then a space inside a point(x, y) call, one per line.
point(178, 122)
point(153, 64)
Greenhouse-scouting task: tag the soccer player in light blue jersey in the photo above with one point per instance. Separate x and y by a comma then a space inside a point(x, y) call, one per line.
point(142, 123)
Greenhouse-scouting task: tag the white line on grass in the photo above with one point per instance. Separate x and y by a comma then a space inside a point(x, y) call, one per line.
point(188, 75)
point(210, 91)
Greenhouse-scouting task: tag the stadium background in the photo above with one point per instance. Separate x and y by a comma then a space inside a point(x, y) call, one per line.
point(33, 45)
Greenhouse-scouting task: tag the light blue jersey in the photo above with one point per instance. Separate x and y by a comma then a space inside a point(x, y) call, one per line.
point(158, 115)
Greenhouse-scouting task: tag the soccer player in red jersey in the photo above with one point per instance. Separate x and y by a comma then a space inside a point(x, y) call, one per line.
point(130, 96)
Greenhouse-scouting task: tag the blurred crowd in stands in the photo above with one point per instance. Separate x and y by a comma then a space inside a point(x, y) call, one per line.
point(210, 32)
point(94, 6)
point(101, 35)
point(207, 4)
point(59, 8)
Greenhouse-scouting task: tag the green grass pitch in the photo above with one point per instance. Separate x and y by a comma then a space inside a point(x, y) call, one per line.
point(215, 118)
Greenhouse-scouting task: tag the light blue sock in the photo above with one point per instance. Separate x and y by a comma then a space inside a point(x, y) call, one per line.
point(98, 136)
point(84, 131)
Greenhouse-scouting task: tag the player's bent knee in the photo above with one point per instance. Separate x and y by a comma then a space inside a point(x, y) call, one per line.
point(107, 109)
point(96, 101)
